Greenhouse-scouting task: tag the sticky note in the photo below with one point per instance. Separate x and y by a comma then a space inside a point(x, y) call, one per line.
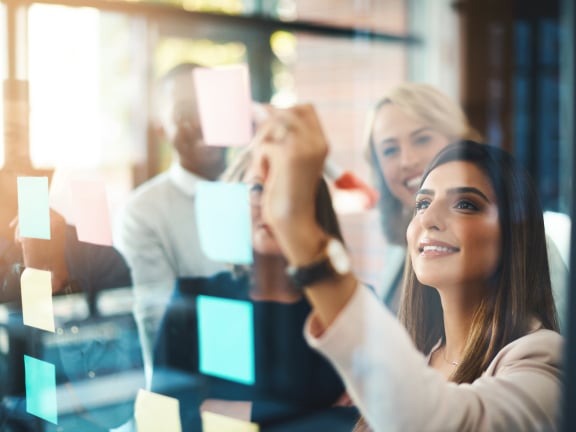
point(36, 289)
point(90, 207)
point(154, 412)
point(33, 210)
point(224, 104)
point(212, 422)
point(40, 379)
point(226, 338)
point(223, 221)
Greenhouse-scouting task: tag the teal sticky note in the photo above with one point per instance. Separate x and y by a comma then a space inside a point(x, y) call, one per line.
point(226, 338)
point(33, 207)
point(223, 220)
point(41, 389)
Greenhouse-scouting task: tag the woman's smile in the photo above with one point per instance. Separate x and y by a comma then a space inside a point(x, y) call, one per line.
point(456, 219)
point(433, 248)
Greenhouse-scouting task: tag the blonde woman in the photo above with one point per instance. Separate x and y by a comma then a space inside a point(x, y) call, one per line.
point(407, 128)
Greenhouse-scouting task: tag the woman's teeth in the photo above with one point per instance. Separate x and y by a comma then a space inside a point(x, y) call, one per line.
point(437, 249)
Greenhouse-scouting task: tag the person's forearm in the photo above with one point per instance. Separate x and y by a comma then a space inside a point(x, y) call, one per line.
point(302, 242)
point(330, 297)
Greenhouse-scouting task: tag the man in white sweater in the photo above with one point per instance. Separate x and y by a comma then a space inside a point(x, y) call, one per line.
point(157, 232)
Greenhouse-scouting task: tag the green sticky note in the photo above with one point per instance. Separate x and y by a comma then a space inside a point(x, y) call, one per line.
point(226, 338)
point(223, 220)
point(33, 207)
point(41, 389)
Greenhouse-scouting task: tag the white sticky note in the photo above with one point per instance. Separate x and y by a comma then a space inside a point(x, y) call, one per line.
point(224, 224)
point(212, 422)
point(155, 412)
point(36, 289)
point(224, 104)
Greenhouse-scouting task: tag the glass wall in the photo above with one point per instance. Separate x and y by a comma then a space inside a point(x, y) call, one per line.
point(142, 287)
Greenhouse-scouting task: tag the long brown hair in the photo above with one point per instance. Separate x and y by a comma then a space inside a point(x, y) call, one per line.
point(520, 290)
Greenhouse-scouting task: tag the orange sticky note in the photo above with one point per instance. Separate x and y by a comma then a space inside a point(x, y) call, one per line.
point(88, 198)
point(36, 289)
point(224, 104)
point(212, 422)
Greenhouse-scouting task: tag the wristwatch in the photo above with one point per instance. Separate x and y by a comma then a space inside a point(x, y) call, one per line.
point(333, 262)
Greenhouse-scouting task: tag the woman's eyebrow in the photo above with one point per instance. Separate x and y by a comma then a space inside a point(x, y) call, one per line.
point(467, 189)
point(388, 141)
point(425, 192)
point(419, 130)
point(456, 190)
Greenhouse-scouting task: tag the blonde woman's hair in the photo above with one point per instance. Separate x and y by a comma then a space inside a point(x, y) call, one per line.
point(436, 110)
point(238, 166)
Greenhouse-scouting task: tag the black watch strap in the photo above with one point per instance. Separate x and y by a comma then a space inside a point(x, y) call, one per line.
point(311, 274)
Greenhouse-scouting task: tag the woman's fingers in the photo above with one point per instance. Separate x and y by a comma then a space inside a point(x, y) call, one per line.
point(290, 149)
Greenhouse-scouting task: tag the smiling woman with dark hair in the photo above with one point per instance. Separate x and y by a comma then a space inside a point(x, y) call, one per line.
point(479, 349)
point(518, 297)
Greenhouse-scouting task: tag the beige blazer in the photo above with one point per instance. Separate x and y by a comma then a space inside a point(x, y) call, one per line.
point(396, 390)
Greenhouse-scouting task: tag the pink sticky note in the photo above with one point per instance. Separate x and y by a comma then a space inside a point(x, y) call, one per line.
point(224, 105)
point(88, 198)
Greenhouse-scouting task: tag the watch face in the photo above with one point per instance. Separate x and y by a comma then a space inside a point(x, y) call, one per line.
point(338, 256)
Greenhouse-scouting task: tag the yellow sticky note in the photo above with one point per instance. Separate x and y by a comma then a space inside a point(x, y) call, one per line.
point(155, 412)
point(212, 422)
point(36, 289)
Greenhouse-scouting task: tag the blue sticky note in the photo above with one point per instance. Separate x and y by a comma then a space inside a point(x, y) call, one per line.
point(41, 389)
point(223, 220)
point(33, 207)
point(226, 338)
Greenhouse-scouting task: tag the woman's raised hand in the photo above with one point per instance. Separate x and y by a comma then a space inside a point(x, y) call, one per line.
point(290, 149)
